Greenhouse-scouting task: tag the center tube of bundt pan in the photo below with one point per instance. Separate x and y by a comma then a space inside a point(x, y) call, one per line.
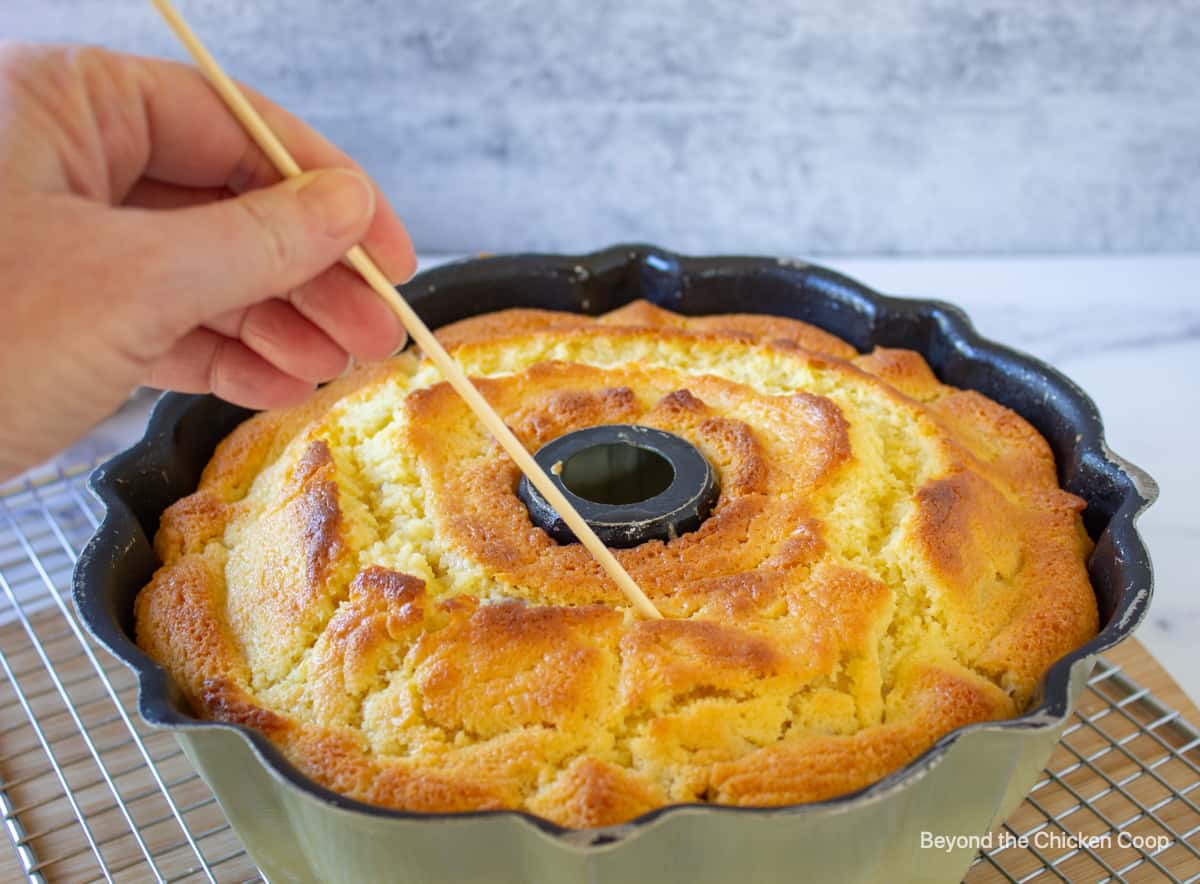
point(631, 484)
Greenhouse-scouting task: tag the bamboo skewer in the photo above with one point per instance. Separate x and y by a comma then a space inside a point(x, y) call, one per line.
point(358, 258)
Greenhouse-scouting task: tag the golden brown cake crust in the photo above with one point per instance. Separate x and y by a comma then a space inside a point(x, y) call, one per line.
point(890, 558)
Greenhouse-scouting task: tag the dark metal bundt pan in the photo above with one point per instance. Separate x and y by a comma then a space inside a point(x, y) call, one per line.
point(136, 485)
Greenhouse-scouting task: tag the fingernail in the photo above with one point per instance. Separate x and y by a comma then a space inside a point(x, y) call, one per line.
point(341, 199)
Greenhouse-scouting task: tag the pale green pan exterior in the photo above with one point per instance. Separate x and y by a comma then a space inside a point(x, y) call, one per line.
point(967, 789)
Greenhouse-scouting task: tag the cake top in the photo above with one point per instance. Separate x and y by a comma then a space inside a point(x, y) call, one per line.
point(889, 558)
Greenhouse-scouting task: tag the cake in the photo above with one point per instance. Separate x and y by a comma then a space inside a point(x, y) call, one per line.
point(356, 578)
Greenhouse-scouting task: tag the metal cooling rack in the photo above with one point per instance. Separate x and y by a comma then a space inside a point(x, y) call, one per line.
point(89, 793)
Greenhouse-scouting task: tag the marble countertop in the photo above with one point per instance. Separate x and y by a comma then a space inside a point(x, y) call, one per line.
point(1126, 329)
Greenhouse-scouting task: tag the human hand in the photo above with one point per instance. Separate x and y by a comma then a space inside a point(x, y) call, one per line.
point(145, 239)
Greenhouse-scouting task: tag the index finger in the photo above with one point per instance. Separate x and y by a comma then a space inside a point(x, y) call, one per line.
point(195, 141)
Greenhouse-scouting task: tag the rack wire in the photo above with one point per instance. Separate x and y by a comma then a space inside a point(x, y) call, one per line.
point(90, 793)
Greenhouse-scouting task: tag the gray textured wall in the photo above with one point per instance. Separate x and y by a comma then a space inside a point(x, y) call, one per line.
point(827, 126)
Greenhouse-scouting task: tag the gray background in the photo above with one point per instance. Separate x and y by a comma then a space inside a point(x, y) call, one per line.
point(886, 126)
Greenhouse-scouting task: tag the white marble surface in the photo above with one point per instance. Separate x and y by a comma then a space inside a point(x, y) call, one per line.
point(1127, 329)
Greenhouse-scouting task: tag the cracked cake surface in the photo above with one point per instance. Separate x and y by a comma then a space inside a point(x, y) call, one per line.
point(890, 558)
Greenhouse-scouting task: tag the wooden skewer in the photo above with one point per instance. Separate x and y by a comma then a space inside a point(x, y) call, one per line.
point(258, 129)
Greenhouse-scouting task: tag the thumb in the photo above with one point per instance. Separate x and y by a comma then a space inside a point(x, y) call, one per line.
point(230, 253)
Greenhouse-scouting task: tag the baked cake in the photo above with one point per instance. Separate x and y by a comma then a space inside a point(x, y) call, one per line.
point(356, 578)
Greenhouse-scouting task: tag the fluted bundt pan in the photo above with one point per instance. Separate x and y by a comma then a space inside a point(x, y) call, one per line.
point(967, 782)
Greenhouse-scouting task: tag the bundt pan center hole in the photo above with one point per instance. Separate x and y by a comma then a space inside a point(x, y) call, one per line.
point(617, 473)
point(630, 484)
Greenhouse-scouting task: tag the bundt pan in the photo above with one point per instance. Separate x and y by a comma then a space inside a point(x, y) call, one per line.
point(968, 782)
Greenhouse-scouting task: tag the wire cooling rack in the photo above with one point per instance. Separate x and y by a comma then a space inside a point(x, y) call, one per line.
point(89, 793)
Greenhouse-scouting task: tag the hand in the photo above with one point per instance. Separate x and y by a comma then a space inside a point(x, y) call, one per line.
point(145, 239)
